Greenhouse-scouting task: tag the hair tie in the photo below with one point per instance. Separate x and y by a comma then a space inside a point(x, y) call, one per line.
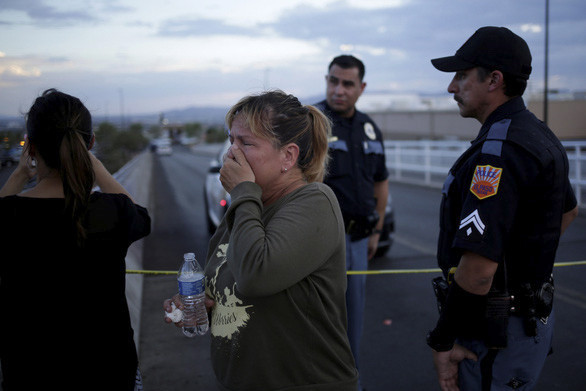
point(61, 132)
point(65, 130)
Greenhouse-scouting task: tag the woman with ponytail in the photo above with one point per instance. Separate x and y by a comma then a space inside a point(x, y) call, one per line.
point(275, 270)
point(65, 322)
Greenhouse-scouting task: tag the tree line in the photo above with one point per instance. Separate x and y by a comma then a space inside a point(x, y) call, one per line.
point(116, 147)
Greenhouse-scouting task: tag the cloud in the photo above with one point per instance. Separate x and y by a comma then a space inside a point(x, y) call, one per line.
point(371, 23)
point(17, 69)
point(531, 28)
point(14, 70)
point(201, 27)
point(342, 24)
point(15, 75)
point(378, 4)
point(214, 52)
point(43, 13)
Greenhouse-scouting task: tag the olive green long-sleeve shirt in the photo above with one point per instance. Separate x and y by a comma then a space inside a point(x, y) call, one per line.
point(278, 277)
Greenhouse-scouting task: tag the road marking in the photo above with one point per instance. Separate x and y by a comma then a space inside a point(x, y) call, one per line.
point(570, 296)
point(422, 248)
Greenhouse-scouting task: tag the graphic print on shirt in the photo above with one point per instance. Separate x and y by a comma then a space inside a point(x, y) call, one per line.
point(229, 315)
point(485, 182)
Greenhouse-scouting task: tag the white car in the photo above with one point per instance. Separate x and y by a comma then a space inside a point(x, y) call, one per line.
point(10, 156)
point(216, 198)
point(163, 146)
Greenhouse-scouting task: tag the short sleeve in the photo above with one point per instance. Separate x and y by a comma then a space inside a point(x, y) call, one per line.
point(570, 200)
point(381, 172)
point(489, 205)
point(137, 220)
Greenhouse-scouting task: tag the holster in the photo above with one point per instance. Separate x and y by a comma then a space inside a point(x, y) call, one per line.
point(534, 304)
point(492, 327)
point(360, 227)
point(440, 288)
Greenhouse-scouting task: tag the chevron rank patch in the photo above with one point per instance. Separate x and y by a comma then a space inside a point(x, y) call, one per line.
point(473, 220)
point(485, 182)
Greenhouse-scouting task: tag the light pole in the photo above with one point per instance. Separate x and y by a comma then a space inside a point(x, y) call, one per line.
point(121, 108)
point(545, 84)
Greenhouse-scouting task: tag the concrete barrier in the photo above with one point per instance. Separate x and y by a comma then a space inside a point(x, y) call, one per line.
point(135, 176)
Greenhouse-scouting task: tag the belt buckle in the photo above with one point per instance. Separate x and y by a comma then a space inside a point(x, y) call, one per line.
point(514, 305)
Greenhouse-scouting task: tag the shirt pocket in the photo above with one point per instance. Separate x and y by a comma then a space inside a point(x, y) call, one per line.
point(340, 159)
point(373, 153)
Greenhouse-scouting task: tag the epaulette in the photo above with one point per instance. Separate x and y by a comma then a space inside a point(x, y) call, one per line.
point(321, 105)
point(497, 133)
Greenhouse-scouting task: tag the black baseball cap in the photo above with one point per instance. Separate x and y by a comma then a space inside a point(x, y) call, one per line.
point(490, 47)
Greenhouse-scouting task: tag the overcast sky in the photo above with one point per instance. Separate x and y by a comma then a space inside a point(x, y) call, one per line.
point(146, 56)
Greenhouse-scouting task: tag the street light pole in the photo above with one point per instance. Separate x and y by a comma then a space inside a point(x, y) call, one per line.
point(545, 84)
point(122, 124)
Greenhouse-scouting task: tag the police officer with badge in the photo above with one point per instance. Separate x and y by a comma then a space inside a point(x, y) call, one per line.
point(358, 175)
point(505, 203)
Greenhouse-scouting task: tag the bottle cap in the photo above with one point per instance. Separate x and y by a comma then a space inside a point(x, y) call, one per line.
point(189, 256)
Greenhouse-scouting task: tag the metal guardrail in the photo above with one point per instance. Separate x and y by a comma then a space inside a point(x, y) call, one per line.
point(427, 162)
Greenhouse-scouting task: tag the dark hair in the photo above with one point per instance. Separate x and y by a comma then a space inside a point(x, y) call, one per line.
point(514, 85)
point(282, 119)
point(346, 61)
point(59, 127)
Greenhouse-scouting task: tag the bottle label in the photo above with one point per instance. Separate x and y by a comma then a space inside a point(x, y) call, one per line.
point(191, 287)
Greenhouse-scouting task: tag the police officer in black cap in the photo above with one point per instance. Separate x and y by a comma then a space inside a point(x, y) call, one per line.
point(505, 203)
point(358, 176)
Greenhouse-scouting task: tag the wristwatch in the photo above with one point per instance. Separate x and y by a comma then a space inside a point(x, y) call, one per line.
point(377, 231)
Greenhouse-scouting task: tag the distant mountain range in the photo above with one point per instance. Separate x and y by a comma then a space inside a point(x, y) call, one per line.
point(204, 115)
point(373, 100)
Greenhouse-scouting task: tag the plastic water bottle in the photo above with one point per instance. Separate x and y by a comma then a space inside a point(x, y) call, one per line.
point(192, 292)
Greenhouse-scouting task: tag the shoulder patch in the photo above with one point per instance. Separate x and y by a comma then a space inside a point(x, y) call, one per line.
point(473, 220)
point(485, 182)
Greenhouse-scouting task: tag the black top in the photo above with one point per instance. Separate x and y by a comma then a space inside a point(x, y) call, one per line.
point(357, 161)
point(65, 322)
point(505, 197)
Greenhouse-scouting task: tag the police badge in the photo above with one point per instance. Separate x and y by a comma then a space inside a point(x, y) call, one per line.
point(369, 131)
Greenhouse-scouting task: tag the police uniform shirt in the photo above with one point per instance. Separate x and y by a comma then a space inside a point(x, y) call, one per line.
point(505, 197)
point(357, 161)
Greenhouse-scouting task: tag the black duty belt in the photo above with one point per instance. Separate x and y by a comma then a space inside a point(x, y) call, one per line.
point(359, 227)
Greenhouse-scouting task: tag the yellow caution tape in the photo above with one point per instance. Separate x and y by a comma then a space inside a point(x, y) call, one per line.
point(393, 271)
point(355, 272)
point(570, 263)
point(151, 272)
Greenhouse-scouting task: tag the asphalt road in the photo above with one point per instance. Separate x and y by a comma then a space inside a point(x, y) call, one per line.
point(400, 307)
point(5, 173)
